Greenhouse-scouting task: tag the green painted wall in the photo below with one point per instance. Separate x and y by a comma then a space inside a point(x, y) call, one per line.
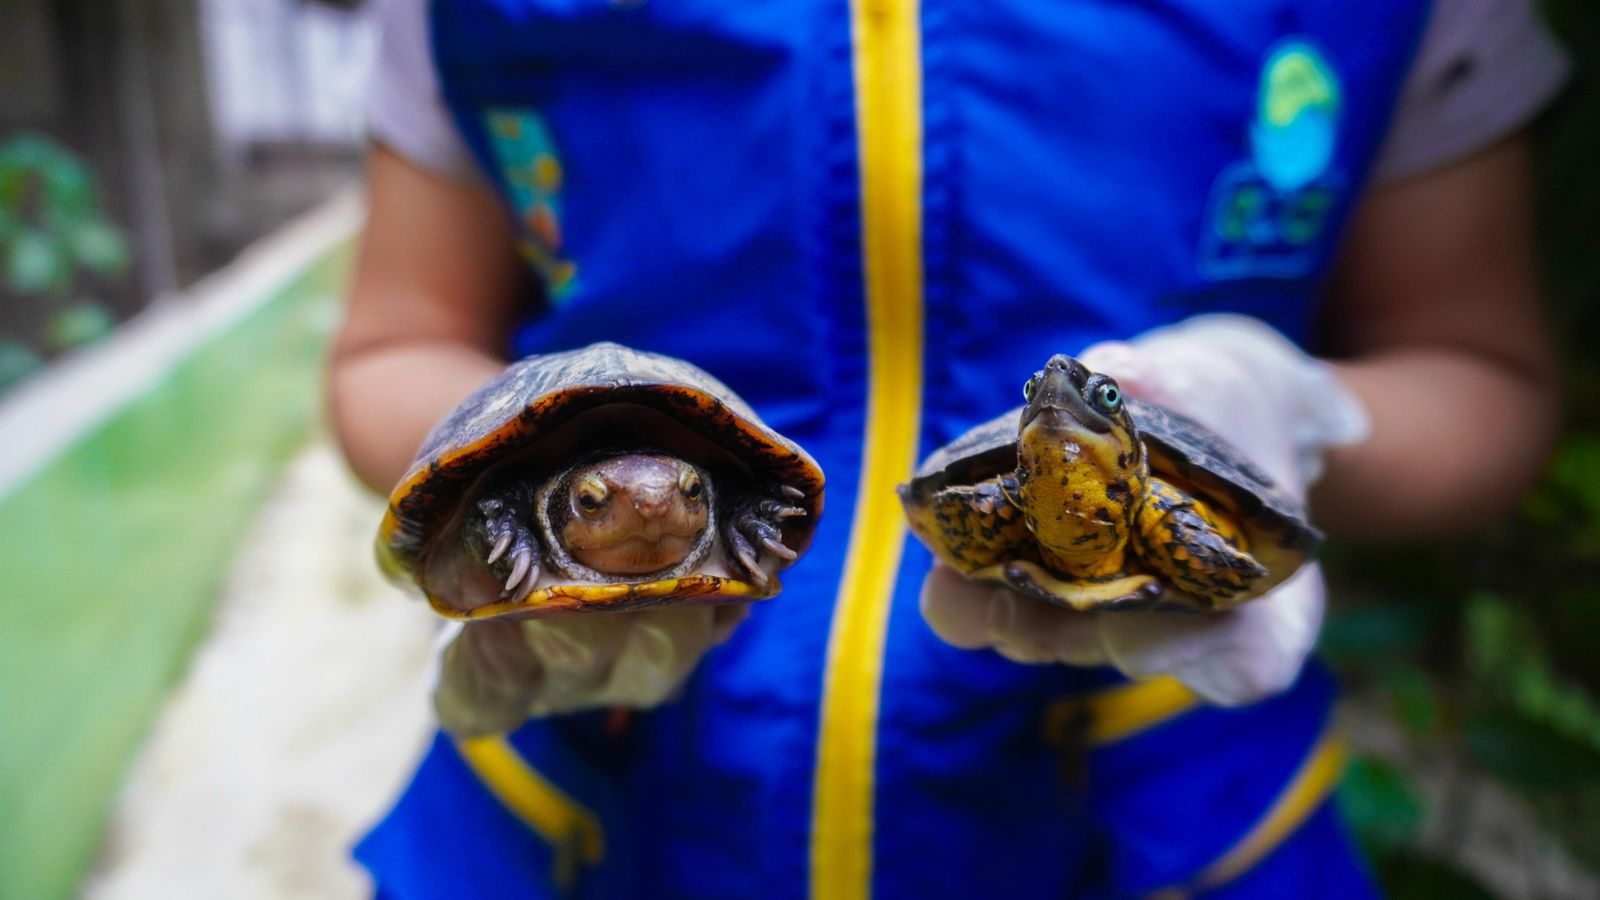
point(111, 558)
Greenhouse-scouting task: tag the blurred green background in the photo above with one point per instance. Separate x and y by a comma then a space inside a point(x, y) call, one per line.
point(1471, 680)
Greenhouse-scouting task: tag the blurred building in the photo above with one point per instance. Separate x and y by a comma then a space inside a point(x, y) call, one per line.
point(205, 122)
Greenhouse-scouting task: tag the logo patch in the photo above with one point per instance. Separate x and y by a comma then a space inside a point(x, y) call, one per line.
point(532, 171)
point(1267, 212)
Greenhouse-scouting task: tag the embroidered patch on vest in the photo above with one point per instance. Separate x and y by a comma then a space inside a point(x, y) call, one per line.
point(531, 170)
point(1267, 212)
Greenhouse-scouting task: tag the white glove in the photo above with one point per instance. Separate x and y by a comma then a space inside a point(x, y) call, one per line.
point(1278, 406)
point(494, 675)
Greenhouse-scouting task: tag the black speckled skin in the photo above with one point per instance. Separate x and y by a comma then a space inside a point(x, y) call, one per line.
point(1180, 451)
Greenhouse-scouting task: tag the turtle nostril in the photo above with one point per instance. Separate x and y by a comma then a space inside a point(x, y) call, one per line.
point(650, 504)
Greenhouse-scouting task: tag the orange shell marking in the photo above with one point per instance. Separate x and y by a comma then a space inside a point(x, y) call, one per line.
point(568, 598)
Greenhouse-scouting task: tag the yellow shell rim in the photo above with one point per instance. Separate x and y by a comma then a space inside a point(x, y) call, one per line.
point(570, 598)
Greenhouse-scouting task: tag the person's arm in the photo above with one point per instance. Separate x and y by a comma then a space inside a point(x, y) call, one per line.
point(1436, 319)
point(433, 298)
point(1436, 314)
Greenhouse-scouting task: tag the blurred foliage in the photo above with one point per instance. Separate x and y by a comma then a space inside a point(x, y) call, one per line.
point(1480, 650)
point(56, 246)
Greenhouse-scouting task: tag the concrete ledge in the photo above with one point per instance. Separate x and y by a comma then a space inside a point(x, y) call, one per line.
point(131, 475)
point(50, 411)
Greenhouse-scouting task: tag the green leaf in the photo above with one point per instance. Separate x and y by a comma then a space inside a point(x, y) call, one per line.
point(1529, 754)
point(68, 186)
point(1379, 803)
point(34, 263)
point(99, 248)
point(17, 361)
point(80, 323)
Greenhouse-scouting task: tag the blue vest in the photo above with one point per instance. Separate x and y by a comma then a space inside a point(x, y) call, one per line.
point(874, 226)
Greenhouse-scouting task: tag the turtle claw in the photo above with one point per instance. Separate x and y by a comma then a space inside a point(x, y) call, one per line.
point(519, 569)
point(499, 538)
point(499, 548)
point(752, 525)
point(747, 558)
point(524, 575)
point(778, 549)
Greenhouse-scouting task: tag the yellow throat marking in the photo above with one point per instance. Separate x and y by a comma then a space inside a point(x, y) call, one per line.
point(1078, 494)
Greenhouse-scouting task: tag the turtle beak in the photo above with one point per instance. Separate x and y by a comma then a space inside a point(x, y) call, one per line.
point(1060, 394)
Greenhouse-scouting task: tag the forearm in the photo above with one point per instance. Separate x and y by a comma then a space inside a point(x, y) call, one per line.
point(385, 399)
point(434, 294)
point(1456, 439)
point(1437, 325)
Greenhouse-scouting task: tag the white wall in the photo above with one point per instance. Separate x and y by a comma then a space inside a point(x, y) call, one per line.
point(286, 70)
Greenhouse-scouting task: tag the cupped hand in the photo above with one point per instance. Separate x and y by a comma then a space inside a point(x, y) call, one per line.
point(496, 674)
point(1278, 406)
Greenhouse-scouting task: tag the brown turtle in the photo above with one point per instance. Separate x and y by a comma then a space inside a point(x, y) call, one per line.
point(599, 479)
point(1089, 499)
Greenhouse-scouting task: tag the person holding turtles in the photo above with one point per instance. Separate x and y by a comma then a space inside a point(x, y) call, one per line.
point(1304, 227)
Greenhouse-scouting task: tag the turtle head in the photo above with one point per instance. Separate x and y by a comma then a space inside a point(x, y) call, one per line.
point(631, 514)
point(1080, 463)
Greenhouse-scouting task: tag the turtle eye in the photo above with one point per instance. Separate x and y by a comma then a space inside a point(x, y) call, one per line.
point(689, 484)
point(592, 496)
point(1109, 396)
point(1029, 387)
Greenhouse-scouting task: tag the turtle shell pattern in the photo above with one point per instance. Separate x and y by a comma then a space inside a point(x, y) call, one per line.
point(546, 410)
point(1180, 451)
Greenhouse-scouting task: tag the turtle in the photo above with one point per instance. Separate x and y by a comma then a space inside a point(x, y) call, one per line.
point(600, 478)
point(1090, 499)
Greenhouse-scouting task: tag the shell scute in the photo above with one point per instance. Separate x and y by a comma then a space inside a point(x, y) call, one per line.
point(547, 409)
point(1183, 456)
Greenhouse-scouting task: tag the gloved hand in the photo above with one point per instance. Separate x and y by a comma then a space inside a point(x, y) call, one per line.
point(1278, 406)
point(494, 675)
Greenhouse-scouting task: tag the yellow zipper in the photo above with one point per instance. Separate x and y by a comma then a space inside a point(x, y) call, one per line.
point(888, 94)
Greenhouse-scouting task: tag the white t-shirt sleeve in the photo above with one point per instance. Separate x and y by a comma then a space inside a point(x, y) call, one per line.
point(405, 110)
point(1485, 68)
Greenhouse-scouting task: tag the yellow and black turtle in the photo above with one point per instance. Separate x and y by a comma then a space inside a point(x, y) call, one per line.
point(599, 479)
point(1090, 499)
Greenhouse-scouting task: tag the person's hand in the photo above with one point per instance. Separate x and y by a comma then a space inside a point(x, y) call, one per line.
point(1278, 406)
point(494, 675)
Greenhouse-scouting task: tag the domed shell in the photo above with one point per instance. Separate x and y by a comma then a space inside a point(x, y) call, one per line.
point(548, 410)
point(1181, 451)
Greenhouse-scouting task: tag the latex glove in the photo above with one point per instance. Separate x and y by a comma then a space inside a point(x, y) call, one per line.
point(1278, 406)
point(494, 675)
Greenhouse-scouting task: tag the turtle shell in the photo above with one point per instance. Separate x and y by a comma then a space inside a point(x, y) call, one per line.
point(1182, 452)
point(545, 411)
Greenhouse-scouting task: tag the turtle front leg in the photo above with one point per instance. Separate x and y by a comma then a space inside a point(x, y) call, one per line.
point(499, 535)
point(971, 526)
point(1192, 548)
point(750, 522)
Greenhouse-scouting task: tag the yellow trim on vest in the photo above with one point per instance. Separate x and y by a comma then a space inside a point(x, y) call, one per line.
point(571, 829)
point(888, 81)
point(1306, 791)
point(1119, 712)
